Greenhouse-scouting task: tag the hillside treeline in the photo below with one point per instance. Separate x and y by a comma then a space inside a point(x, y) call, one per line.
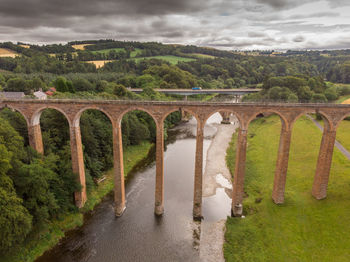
point(223, 69)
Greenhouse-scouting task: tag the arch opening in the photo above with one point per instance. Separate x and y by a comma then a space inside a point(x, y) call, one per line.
point(219, 129)
point(54, 130)
point(17, 120)
point(183, 164)
point(338, 178)
point(97, 140)
point(306, 145)
point(266, 158)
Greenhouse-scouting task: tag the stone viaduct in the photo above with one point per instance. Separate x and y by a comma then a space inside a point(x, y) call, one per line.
point(245, 113)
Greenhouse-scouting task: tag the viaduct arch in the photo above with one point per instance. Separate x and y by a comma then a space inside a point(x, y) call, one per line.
point(245, 113)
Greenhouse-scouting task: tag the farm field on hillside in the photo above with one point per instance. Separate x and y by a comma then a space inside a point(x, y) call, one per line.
point(80, 47)
point(135, 52)
point(8, 53)
point(99, 63)
point(301, 229)
point(203, 55)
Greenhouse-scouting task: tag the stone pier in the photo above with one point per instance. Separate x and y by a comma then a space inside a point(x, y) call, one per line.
point(159, 192)
point(238, 180)
point(198, 173)
point(324, 162)
point(281, 166)
point(119, 187)
point(35, 139)
point(78, 164)
point(225, 118)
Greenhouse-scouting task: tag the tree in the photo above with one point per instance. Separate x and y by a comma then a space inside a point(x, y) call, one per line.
point(101, 85)
point(15, 220)
point(37, 84)
point(318, 98)
point(304, 93)
point(145, 80)
point(150, 93)
point(2, 80)
point(292, 98)
point(61, 84)
point(120, 90)
point(331, 94)
point(18, 85)
point(274, 93)
point(81, 84)
point(33, 183)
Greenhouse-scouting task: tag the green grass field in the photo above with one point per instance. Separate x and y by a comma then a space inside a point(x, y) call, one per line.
point(203, 55)
point(343, 134)
point(105, 51)
point(48, 237)
point(169, 58)
point(302, 229)
point(135, 52)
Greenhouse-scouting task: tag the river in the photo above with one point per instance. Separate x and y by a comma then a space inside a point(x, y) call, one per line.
point(139, 235)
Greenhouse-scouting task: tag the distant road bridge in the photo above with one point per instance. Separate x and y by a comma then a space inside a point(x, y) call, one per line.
point(188, 92)
point(332, 115)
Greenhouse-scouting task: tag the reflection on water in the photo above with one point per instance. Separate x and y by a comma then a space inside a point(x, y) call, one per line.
point(139, 235)
point(216, 207)
point(223, 181)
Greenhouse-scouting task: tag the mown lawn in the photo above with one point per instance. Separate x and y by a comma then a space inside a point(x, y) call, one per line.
point(302, 229)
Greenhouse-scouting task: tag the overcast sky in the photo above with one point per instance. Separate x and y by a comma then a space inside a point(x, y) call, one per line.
point(225, 24)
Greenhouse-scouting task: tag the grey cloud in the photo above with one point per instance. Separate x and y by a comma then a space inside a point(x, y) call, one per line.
point(334, 44)
point(275, 3)
point(26, 13)
point(175, 34)
point(256, 34)
point(284, 4)
point(338, 3)
point(263, 24)
point(299, 38)
point(237, 43)
point(320, 14)
point(92, 7)
point(298, 27)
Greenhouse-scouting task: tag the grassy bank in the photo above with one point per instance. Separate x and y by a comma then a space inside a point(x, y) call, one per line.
point(343, 134)
point(45, 238)
point(302, 229)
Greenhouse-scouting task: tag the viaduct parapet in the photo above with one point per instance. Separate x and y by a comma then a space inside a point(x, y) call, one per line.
point(245, 113)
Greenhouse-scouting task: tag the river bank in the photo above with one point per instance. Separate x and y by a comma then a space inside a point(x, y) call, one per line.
point(44, 239)
point(217, 190)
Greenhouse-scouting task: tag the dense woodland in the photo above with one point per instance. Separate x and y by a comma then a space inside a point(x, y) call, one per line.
point(36, 189)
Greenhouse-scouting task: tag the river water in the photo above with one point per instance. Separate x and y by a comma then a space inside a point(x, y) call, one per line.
point(138, 235)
